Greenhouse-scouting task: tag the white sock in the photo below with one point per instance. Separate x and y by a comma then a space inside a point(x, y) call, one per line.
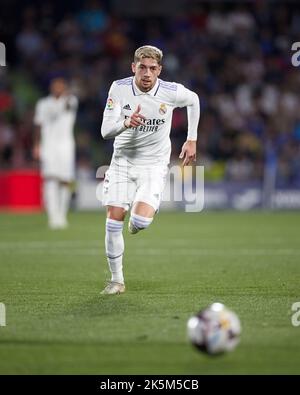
point(114, 246)
point(51, 197)
point(65, 196)
point(140, 222)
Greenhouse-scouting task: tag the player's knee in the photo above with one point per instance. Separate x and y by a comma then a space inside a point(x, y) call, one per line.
point(116, 213)
point(139, 221)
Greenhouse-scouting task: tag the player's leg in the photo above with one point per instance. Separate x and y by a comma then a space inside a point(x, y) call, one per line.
point(51, 187)
point(141, 216)
point(143, 209)
point(118, 192)
point(64, 202)
point(64, 168)
point(51, 201)
point(114, 248)
point(151, 183)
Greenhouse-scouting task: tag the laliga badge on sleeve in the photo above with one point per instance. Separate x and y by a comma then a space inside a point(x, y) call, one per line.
point(110, 104)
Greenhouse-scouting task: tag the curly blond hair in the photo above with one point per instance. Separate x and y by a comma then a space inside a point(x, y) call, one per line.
point(148, 51)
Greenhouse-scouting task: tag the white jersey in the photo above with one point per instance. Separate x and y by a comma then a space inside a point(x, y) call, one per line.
point(56, 117)
point(149, 143)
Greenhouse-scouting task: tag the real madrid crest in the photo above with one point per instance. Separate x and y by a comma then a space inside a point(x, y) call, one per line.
point(162, 109)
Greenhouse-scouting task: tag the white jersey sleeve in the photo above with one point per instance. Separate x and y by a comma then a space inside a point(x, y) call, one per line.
point(189, 99)
point(38, 115)
point(113, 121)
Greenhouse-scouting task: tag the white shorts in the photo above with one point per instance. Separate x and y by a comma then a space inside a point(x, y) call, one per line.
point(58, 164)
point(126, 184)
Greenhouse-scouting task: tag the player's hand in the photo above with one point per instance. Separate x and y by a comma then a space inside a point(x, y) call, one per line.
point(36, 152)
point(136, 119)
point(188, 152)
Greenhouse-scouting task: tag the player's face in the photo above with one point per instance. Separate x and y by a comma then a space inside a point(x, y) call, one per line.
point(58, 87)
point(146, 72)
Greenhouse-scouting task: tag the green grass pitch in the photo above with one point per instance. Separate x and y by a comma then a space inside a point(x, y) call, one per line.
point(58, 323)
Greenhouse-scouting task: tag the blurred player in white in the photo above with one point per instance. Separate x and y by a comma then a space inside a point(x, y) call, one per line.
point(138, 115)
point(55, 148)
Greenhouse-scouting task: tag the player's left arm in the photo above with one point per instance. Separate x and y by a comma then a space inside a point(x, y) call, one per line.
point(190, 100)
point(71, 103)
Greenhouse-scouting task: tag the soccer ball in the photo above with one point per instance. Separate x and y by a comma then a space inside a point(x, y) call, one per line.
point(214, 330)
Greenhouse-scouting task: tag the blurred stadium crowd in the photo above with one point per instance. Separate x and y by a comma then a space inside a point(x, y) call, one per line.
point(236, 56)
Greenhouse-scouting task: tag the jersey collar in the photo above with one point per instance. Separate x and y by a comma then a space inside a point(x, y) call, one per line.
point(137, 92)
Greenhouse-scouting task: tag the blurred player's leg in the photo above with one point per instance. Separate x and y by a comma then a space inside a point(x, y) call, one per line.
point(64, 203)
point(51, 193)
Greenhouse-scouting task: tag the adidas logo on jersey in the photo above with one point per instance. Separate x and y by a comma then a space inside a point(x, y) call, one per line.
point(127, 107)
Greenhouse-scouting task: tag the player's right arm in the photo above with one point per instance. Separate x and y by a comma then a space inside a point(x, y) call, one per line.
point(37, 120)
point(113, 122)
point(36, 143)
point(190, 100)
